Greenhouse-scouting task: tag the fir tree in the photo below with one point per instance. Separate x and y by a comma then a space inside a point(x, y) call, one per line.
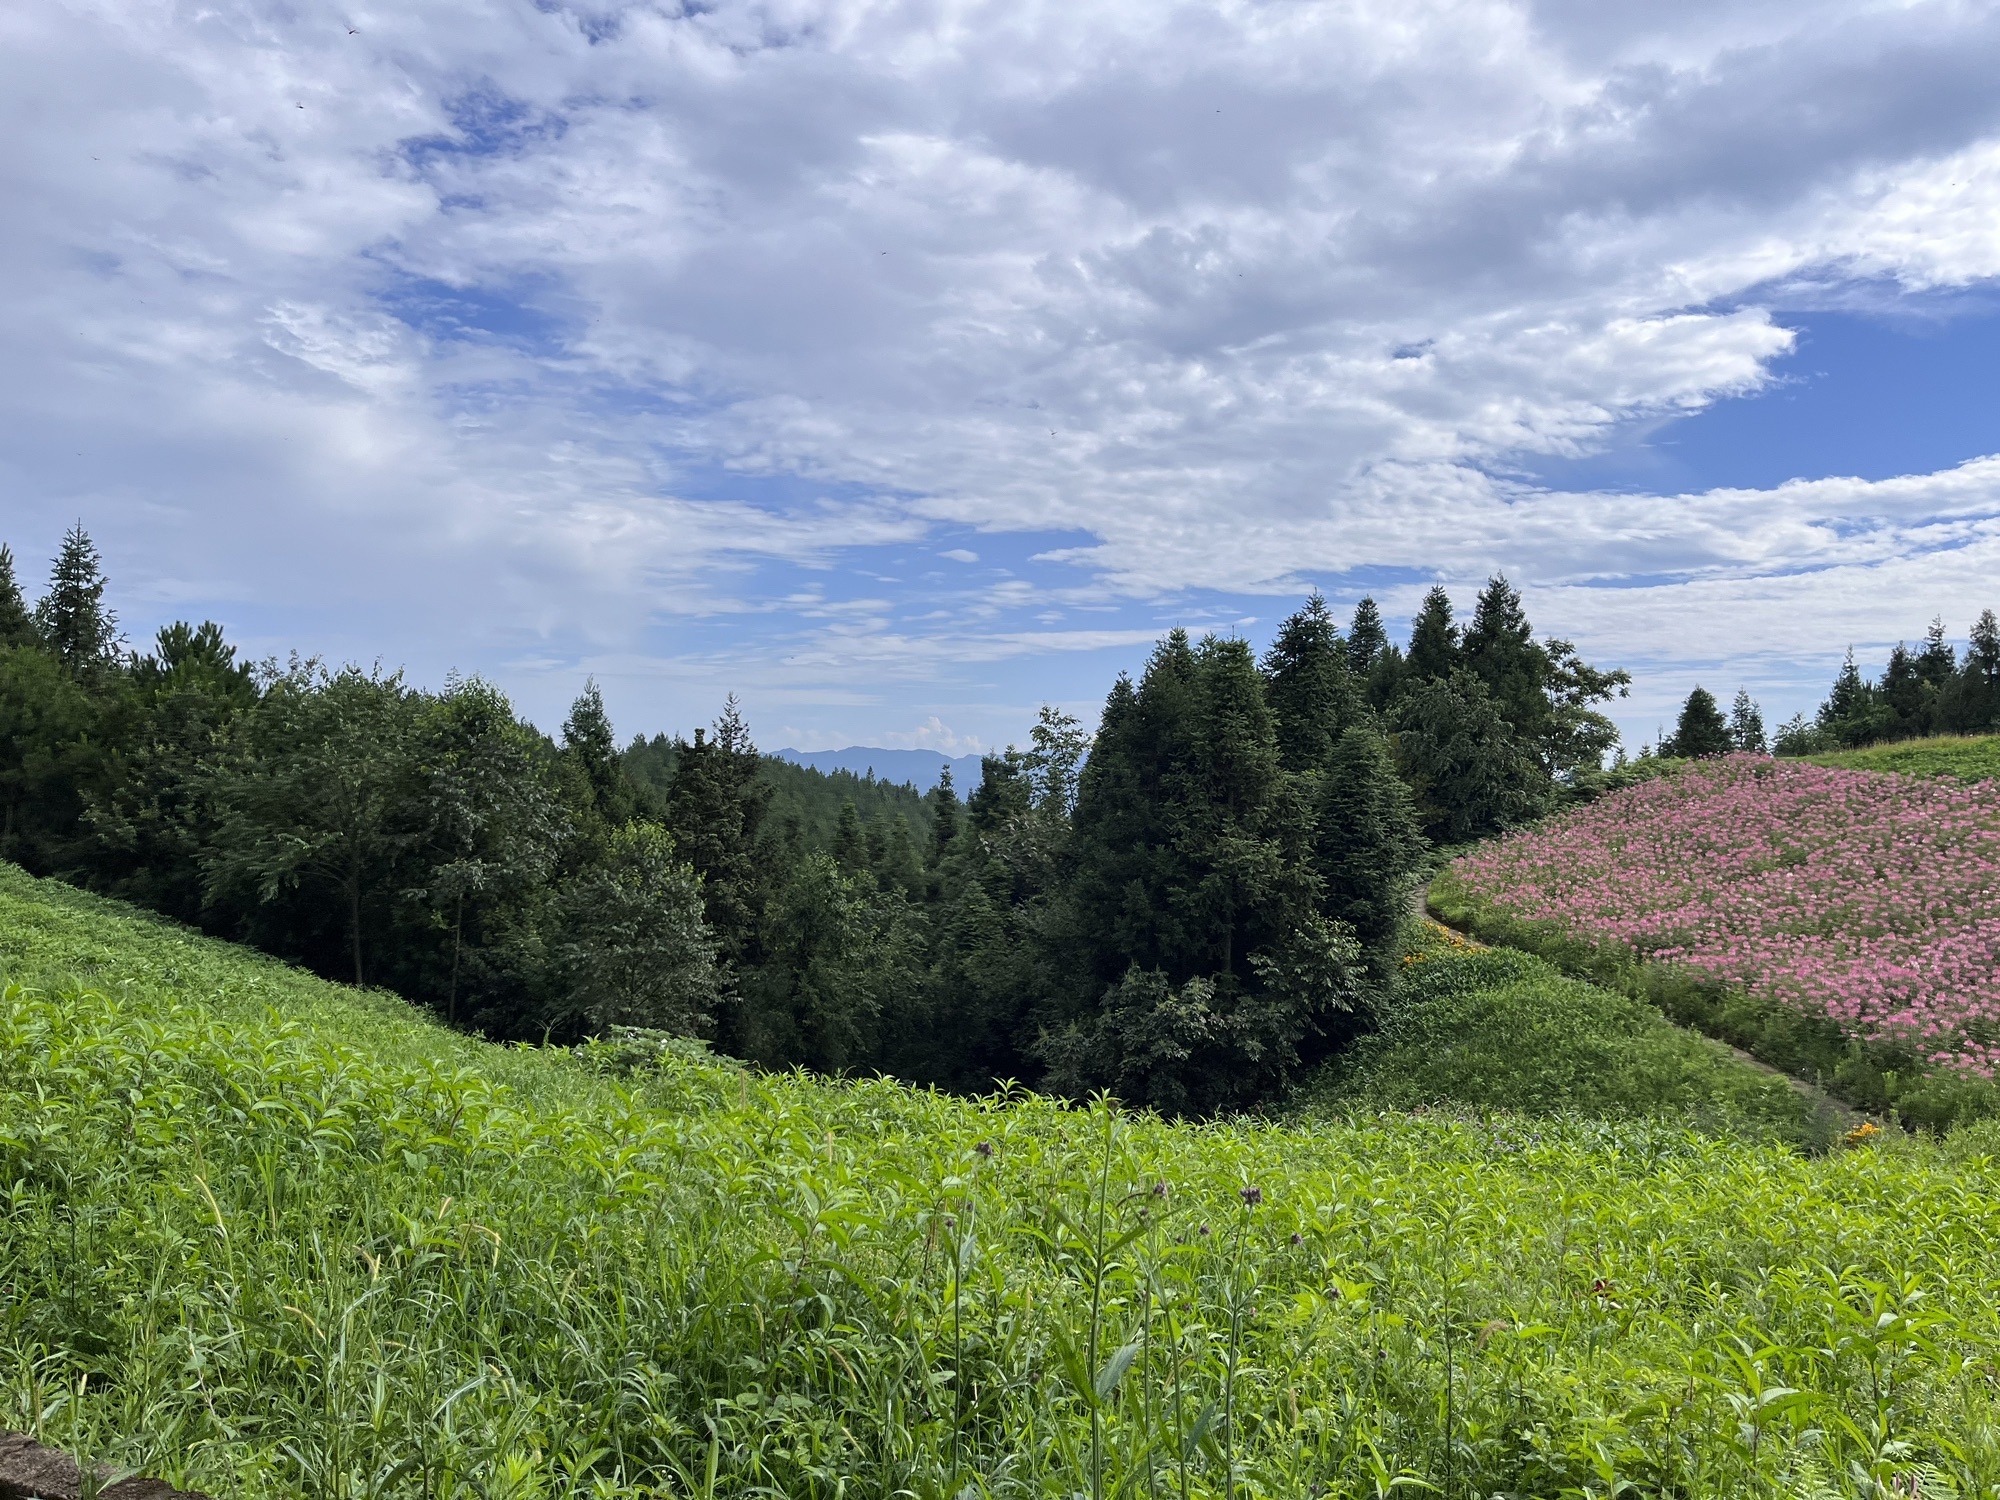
point(1903, 697)
point(946, 815)
point(1310, 688)
point(1367, 843)
point(17, 626)
point(1470, 773)
point(1366, 639)
point(715, 806)
point(1434, 647)
point(1499, 649)
point(1701, 731)
point(592, 749)
point(1746, 725)
point(850, 841)
point(71, 618)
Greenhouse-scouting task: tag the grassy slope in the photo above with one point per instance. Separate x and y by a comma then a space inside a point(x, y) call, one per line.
point(1966, 757)
point(269, 1236)
point(1496, 1028)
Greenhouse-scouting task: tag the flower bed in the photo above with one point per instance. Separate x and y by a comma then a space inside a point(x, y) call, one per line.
point(1872, 900)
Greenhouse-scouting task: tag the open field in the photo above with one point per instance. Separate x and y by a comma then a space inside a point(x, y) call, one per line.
point(1965, 757)
point(267, 1236)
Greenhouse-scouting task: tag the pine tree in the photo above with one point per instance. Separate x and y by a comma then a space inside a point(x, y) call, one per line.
point(1746, 725)
point(1701, 731)
point(1499, 648)
point(850, 841)
point(590, 747)
point(1904, 696)
point(1434, 647)
point(1311, 691)
point(1970, 703)
point(715, 806)
point(1367, 843)
point(71, 617)
point(946, 815)
point(1366, 639)
point(17, 626)
point(1470, 773)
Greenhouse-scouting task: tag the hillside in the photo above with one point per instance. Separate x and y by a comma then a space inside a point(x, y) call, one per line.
point(270, 1236)
point(1965, 757)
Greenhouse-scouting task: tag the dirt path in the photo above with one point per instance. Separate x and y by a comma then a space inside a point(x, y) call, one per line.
point(1836, 1116)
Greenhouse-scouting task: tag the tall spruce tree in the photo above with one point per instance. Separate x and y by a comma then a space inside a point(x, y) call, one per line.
point(1434, 649)
point(1366, 638)
point(1311, 690)
point(1499, 649)
point(1367, 843)
point(1205, 963)
point(715, 807)
point(1970, 703)
point(1701, 731)
point(71, 618)
point(17, 626)
point(590, 750)
point(1746, 725)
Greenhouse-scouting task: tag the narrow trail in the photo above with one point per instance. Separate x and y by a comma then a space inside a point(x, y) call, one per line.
point(1839, 1115)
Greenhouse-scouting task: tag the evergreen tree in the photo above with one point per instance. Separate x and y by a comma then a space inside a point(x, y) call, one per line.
point(1701, 731)
point(1937, 663)
point(1851, 715)
point(946, 816)
point(591, 750)
point(1746, 725)
point(1191, 862)
point(1469, 772)
point(1367, 843)
point(1903, 698)
point(850, 841)
point(150, 825)
point(1311, 691)
point(715, 806)
point(17, 626)
point(1366, 639)
point(1434, 649)
point(1499, 649)
point(71, 618)
point(1970, 702)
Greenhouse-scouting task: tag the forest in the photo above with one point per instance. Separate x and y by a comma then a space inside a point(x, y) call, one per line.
point(1189, 908)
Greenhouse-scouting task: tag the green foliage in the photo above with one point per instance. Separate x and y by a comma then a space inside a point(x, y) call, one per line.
point(1701, 731)
point(17, 626)
point(1498, 1029)
point(1746, 725)
point(635, 950)
point(314, 804)
point(1434, 650)
point(1470, 775)
point(1367, 842)
point(71, 620)
point(267, 1237)
point(1312, 692)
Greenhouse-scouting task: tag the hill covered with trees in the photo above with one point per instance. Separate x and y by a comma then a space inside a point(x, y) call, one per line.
point(1189, 908)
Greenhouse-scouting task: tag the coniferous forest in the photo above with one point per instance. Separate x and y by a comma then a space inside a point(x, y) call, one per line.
point(1188, 908)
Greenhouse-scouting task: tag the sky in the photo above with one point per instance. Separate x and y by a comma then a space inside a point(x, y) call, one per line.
point(900, 365)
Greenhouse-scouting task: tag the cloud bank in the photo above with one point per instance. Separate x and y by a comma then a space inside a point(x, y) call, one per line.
point(840, 350)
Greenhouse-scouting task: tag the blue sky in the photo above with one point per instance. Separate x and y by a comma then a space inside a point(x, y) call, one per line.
point(902, 366)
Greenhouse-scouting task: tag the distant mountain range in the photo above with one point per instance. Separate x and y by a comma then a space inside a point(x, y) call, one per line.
point(920, 768)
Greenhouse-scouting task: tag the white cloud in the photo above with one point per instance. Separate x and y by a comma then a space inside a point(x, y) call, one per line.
point(545, 324)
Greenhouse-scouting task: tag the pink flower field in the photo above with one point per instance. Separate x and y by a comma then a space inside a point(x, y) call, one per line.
point(1869, 898)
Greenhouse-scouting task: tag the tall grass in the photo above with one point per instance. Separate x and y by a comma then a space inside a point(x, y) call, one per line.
point(266, 1236)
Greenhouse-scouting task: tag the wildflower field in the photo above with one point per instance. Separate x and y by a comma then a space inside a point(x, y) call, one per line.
point(265, 1236)
point(1868, 900)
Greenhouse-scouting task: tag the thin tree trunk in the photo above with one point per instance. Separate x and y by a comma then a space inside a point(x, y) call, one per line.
point(457, 938)
point(354, 921)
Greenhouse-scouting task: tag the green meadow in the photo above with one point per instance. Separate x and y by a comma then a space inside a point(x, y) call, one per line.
point(266, 1235)
point(1966, 757)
